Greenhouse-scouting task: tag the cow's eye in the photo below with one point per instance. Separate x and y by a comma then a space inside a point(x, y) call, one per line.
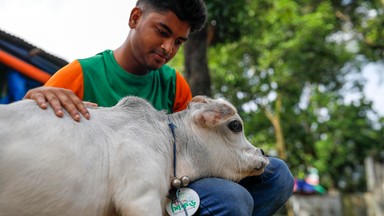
point(235, 126)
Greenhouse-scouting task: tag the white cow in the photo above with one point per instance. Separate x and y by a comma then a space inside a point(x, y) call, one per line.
point(118, 162)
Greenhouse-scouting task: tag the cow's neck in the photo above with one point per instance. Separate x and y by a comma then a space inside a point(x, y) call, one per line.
point(184, 140)
point(182, 181)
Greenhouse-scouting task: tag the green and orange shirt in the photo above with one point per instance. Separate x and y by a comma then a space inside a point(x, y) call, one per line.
point(101, 80)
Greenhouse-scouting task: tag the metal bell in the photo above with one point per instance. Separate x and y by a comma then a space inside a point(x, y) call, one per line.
point(176, 183)
point(185, 181)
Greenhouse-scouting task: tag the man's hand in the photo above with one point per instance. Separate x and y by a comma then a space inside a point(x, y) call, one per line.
point(60, 98)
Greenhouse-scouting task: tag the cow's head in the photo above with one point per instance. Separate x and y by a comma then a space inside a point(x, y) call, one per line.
point(220, 145)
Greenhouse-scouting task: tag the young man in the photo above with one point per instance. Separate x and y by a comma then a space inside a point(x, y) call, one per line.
point(137, 67)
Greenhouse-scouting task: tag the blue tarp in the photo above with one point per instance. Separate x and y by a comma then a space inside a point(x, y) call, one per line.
point(16, 87)
point(13, 84)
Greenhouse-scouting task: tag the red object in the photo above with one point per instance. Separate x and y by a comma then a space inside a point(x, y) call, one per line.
point(24, 68)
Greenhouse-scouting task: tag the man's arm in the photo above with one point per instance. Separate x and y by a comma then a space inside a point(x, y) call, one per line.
point(59, 98)
point(64, 90)
point(183, 93)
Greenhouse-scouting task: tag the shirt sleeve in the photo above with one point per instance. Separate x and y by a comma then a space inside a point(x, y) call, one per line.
point(69, 77)
point(183, 93)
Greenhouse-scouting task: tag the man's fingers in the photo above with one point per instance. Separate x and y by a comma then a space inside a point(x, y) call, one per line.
point(80, 106)
point(55, 103)
point(40, 100)
point(59, 99)
point(84, 111)
point(68, 104)
point(90, 104)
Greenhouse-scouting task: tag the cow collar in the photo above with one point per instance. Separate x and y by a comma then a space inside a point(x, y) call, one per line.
point(181, 199)
point(184, 180)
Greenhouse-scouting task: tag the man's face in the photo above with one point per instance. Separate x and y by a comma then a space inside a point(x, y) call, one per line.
point(157, 37)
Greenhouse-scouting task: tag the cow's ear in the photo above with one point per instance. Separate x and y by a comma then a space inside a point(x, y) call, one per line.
point(200, 99)
point(213, 114)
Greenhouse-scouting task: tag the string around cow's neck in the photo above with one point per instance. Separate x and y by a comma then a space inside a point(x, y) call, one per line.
point(176, 183)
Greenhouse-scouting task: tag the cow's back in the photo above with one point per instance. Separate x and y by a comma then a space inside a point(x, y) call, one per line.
point(49, 165)
point(57, 166)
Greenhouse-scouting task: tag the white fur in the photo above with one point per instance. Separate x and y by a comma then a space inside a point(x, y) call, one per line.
point(119, 162)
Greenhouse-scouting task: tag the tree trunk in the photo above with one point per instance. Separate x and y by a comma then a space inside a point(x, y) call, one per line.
point(275, 120)
point(196, 65)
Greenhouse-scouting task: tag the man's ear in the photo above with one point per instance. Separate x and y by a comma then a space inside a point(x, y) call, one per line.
point(135, 16)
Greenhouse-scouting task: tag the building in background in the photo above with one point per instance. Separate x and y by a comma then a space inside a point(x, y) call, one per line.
point(22, 67)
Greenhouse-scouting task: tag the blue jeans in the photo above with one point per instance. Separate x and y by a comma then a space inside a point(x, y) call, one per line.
point(257, 195)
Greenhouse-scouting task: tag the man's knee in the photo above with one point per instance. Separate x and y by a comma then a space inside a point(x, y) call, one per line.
point(284, 179)
point(222, 197)
point(272, 188)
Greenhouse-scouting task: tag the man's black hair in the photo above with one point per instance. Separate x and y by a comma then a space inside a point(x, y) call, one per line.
point(192, 11)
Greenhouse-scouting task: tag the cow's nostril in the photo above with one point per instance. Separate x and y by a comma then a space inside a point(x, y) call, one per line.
point(262, 152)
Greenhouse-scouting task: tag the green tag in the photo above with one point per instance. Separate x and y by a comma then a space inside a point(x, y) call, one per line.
point(189, 201)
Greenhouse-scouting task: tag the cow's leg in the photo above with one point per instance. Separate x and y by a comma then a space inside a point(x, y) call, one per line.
point(147, 203)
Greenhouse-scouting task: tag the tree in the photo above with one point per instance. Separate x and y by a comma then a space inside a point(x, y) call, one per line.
point(287, 49)
point(222, 26)
point(278, 53)
point(284, 66)
point(344, 135)
point(363, 21)
point(196, 68)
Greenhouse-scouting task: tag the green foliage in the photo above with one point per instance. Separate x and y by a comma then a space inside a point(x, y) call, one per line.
point(364, 20)
point(291, 49)
point(177, 62)
point(346, 137)
point(225, 17)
